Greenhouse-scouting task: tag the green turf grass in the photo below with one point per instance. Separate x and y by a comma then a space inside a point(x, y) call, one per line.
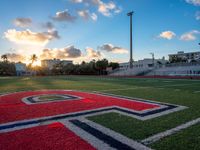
point(50, 98)
point(181, 92)
point(188, 139)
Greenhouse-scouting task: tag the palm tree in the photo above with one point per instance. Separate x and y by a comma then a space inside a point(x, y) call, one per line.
point(101, 65)
point(33, 58)
point(4, 57)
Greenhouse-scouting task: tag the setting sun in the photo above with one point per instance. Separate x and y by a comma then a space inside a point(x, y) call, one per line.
point(36, 63)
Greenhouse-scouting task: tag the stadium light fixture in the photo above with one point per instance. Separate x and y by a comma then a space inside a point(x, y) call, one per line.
point(130, 14)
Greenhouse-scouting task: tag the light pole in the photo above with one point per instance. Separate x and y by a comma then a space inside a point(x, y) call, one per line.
point(130, 14)
point(153, 63)
point(152, 54)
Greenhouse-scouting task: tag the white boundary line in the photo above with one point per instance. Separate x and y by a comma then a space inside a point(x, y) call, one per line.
point(178, 108)
point(134, 98)
point(153, 115)
point(166, 133)
point(115, 135)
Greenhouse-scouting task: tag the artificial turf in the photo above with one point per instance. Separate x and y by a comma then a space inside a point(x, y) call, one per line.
point(181, 92)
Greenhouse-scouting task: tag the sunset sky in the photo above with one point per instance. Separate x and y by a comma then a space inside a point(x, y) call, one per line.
point(93, 29)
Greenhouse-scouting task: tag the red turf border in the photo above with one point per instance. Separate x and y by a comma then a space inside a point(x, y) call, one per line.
point(54, 136)
point(14, 109)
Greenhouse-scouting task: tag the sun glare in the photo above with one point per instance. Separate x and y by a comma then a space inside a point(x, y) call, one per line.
point(36, 63)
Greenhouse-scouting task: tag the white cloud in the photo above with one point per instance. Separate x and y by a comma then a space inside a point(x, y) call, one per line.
point(91, 53)
point(53, 34)
point(71, 52)
point(194, 2)
point(64, 16)
point(113, 49)
point(94, 16)
point(77, 1)
point(106, 9)
point(189, 36)
point(118, 10)
point(28, 37)
point(62, 53)
point(22, 22)
point(85, 14)
point(167, 35)
point(197, 15)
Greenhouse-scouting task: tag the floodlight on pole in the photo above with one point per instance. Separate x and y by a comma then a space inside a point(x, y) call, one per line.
point(152, 54)
point(130, 14)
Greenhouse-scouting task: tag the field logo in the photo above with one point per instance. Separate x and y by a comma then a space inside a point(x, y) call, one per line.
point(64, 113)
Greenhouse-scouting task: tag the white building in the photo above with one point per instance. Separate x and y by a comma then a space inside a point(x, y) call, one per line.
point(185, 57)
point(50, 63)
point(158, 67)
point(20, 68)
point(146, 63)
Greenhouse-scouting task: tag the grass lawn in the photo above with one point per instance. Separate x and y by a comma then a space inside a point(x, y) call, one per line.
point(181, 92)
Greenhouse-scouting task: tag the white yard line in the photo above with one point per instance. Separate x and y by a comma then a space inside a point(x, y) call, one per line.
point(177, 85)
point(121, 89)
point(169, 132)
point(196, 91)
point(193, 80)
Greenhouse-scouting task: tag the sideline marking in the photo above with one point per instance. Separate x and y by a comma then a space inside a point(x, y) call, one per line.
point(169, 132)
point(113, 139)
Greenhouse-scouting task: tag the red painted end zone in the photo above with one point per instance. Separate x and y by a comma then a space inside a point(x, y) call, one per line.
point(49, 137)
point(12, 107)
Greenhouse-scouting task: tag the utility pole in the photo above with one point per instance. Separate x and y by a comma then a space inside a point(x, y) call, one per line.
point(130, 14)
point(153, 63)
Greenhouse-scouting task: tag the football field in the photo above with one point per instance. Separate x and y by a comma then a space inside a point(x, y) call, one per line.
point(93, 112)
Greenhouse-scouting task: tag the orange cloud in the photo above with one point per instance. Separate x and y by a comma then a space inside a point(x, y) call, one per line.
point(167, 35)
point(189, 36)
point(28, 37)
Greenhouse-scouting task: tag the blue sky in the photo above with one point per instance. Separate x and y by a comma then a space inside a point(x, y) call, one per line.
point(93, 29)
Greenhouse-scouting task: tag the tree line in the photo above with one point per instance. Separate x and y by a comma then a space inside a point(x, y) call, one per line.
point(85, 68)
point(99, 67)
